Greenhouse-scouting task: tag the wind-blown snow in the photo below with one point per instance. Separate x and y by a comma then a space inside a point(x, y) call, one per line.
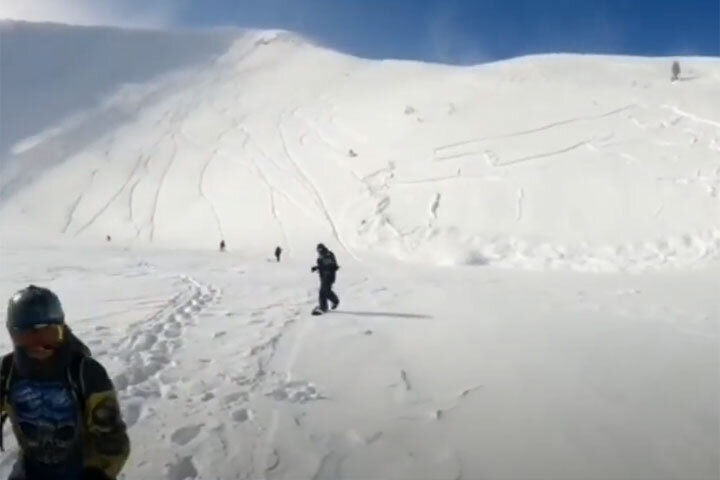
point(551, 167)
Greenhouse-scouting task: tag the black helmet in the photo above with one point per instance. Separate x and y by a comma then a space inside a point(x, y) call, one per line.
point(321, 248)
point(33, 306)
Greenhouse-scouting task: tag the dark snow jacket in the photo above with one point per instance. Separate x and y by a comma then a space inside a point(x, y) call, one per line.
point(66, 420)
point(326, 266)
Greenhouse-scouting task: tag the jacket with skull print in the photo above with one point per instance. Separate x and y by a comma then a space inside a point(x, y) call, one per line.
point(66, 423)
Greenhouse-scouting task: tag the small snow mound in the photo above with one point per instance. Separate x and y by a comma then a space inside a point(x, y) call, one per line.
point(451, 249)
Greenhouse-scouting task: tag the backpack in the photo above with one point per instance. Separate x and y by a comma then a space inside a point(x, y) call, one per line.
point(74, 374)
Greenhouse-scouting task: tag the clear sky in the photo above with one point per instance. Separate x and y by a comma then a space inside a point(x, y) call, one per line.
point(453, 31)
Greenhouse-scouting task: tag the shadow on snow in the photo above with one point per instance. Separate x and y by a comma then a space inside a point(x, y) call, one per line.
point(381, 314)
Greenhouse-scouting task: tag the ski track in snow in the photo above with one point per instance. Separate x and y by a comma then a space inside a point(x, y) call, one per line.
point(161, 183)
point(112, 199)
point(538, 156)
point(271, 195)
point(76, 203)
point(130, 207)
point(692, 116)
point(253, 143)
point(338, 152)
point(204, 195)
point(528, 131)
point(520, 203)
point(202, 189)
point(313, 188)
point(71, 213)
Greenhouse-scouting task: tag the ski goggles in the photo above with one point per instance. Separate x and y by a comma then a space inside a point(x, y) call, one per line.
point(49, 335)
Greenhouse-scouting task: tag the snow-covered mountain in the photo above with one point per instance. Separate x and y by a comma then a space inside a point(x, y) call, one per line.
point(262, 138)
point(572, 201)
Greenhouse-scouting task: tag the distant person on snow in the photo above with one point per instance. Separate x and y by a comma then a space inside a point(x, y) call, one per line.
point(675, 71)
point(222, 245)
point(278, 252)
point(108, 238)
point(326, 267)
point(60, 401)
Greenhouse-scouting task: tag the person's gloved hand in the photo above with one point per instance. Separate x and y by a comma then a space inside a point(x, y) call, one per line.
point(93, 473)
point(314, 269)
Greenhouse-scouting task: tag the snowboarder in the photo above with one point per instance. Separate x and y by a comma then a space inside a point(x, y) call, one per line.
point(60, 401)
point(326, 267)
point(278, 252)
point(222, 245)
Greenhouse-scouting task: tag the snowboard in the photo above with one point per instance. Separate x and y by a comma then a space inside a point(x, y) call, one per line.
point(317, 311)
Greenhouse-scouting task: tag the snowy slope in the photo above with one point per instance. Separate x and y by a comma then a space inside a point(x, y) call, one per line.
point(457, 374)
point(558, 166)
point(591, 163)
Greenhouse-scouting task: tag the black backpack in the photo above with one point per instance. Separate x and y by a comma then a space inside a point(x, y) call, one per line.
point(74, 375)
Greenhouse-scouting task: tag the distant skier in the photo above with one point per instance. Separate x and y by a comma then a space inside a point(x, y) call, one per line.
point(278, 252)
point(60, 401)
point(326, 267)
point(108, 238)
point(222, 245)
point(675, 71)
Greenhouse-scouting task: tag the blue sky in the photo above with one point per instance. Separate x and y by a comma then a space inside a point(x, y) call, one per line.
point(468, 31)
point(453, 31)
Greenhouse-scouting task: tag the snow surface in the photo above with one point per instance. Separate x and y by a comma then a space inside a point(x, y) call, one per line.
point(529, 253)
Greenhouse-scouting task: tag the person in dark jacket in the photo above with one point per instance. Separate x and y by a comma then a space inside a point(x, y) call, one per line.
point(326, 267)
point(278, 252)
point(60, 401)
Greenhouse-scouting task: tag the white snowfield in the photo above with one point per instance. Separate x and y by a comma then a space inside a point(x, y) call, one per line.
point(529, 253)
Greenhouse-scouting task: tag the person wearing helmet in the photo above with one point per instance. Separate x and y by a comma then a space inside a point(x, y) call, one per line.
point(60, 401)
point(326, 267)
